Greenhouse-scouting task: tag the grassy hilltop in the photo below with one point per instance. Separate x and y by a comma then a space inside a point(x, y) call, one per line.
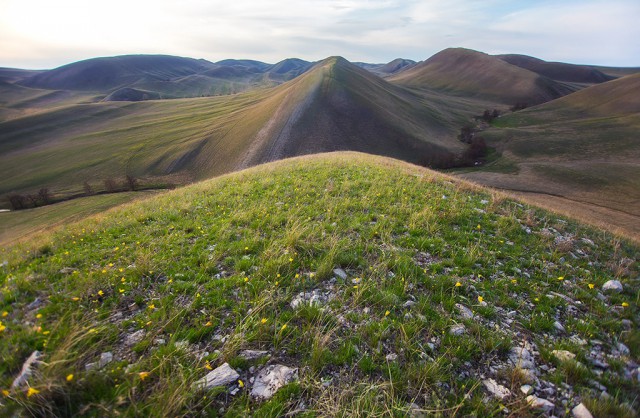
point(392, 289)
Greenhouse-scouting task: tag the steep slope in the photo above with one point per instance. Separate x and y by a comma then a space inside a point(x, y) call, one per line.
point(339, 106)
point(377, 287)
point(475, 74)
point(558, 71)
point(334, 106)
point(583, 148)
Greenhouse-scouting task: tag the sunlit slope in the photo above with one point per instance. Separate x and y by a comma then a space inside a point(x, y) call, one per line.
point(583, 147)
point(475, 74)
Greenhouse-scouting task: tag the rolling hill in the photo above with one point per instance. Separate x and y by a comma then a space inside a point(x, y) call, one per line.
point(147, 77)
point(470, 73)
point(582, 148)
point(558, 71)
point(333, 106)
point(372, 287)
point(392, 67)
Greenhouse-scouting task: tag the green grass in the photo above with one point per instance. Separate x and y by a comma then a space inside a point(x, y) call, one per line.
point(224, 258)
point(182, 140)
point(19, 225)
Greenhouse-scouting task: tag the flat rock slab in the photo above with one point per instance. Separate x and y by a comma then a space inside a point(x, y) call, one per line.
point(272, 378)
point(540, 404)
point(457, 329)
point(221, 376)
point(465, 312)
point(612, 286)
point(581, 411)
point(496, 389)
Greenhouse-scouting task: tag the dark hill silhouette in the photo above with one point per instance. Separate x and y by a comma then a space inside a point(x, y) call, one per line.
point(559, 71)
point(105, 74)
point(475, 74)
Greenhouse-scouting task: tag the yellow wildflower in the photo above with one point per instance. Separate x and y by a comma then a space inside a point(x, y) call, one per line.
point(387, 313)
point(39, 316)
point(2, 327)
point(208, 324)
point(263, 321)
point(514, 281)
point(5, 392)
point(121, 290)
point(591, 285)
point(208, 366)
point(100, 292)
point(69, 377)
point(480, 299)
point(561, 278)
point(458, 284)
point(75, 298)
point(625, 305)
point(143, 375)
point(284, 326)
point(5, 313)
point(31, 392)
point(240, 383)
point(246, 279)
point(478, 227)
point(297, 276)
point(151, 306)
point(290, 260)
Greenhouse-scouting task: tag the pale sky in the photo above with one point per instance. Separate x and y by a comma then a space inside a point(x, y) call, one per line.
point(50, 33)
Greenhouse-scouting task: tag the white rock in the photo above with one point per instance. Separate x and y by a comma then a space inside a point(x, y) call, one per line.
point(496, 389)
point(465, 312)
point(272, 378)
point(340, 273)
point(221, 376)
point(581, 411)
point(563, 355)
point(623, 349)
point(521, 357)
point(612, 286)
point(134, 338)
point(540, 403)
point(526, 389)
point(105, 358)
point(457, 329)
point(557, 325)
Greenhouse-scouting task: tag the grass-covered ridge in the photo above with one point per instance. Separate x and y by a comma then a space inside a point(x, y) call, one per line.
point(202, 273)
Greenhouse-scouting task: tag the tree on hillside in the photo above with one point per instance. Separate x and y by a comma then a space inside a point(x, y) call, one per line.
point(110, 185)
point(88, 190)
point(44, 196)
point(131, 182)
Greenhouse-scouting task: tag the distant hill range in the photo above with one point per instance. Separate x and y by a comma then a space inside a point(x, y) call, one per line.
point(150, 77)
point(104, 118)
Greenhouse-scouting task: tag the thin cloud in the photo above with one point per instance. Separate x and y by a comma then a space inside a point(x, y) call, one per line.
point(591, 31)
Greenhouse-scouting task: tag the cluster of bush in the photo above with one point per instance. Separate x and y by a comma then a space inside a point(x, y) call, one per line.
point(45, 197)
